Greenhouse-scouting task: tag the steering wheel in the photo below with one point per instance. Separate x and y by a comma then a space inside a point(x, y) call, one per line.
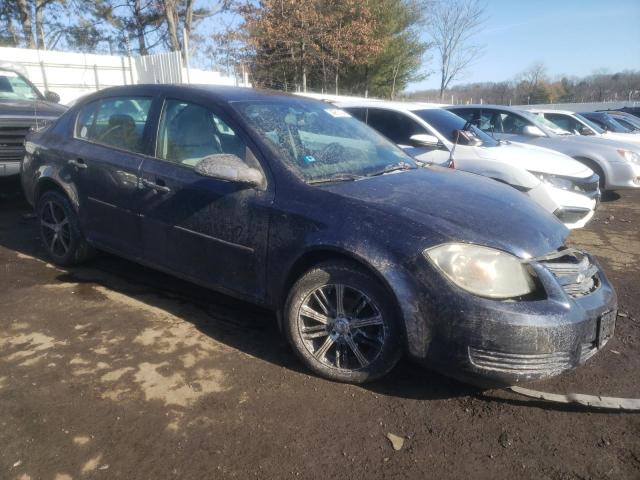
point(332, 153)
point(107, 132)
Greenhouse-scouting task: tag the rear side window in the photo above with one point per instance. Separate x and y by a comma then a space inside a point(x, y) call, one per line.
point(359, 113)
point(189, 132)
point(116, 122)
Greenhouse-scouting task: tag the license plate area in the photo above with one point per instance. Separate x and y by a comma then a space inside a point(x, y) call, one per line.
point(606, 327)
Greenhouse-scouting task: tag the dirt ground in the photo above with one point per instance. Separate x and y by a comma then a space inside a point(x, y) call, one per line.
point(112, 370)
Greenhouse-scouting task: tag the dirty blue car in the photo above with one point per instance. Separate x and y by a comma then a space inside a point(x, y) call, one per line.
point(294, 205)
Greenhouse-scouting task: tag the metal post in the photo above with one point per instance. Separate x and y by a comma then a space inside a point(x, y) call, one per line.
point(95, 75)
point(44, 76)
point(185, 46)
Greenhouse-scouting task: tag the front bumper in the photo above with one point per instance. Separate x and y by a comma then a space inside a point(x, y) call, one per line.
point(497, 343)
point(622, 175)
point(8, 169)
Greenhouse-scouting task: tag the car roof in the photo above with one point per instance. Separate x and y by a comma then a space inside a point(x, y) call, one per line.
point(398, 106)
point(488, 105)
point(550, 110)
point(218, 92)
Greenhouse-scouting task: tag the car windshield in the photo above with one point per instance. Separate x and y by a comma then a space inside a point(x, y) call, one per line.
point(447, 123)
point(14, 87)
point(630, 121)
point(322, 143)
point(589, 122)
point(612, 124)
point(544, 124)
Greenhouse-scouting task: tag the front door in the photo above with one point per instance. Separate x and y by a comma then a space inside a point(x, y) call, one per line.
point(110, 137)
point(399, 128)
point(206, 229)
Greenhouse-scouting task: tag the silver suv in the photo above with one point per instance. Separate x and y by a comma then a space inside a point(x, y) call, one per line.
point(617, 163)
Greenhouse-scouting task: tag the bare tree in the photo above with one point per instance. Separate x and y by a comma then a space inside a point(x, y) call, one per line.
point(453, 26)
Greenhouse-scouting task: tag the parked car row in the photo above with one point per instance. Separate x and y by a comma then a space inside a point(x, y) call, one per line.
point(364, 253)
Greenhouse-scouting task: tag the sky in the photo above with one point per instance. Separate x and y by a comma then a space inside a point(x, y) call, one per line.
point(571, 37)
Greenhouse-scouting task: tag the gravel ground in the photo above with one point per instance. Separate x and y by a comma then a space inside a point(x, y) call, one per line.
point(112, 370)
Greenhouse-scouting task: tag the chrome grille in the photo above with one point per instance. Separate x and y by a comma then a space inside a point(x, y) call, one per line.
point(520, 362)
point(12, 143)
point(573, 270)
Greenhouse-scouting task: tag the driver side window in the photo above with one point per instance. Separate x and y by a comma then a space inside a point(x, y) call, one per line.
point(505, 122)
point(396, 126)
point(189, 132)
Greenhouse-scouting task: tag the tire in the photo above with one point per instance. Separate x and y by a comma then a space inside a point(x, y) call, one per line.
point(324, 338)
point(60, 230)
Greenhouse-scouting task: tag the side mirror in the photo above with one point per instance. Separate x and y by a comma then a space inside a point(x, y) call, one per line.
point(424, 140)
point(585, 131)
point(230, 168)
point(52, 97)
point(533, 131)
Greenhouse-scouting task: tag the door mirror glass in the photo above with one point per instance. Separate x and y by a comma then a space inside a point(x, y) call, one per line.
point(230, 168)
point(424, 140)
point(51, 97)
point(533, 131)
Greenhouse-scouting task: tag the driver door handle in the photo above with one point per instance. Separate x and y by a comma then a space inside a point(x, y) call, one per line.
point(78, 163)
point(155, 186)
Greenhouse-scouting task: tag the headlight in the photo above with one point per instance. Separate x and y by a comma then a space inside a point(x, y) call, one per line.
point(629, 156)
point(482, 271)
point(558, 182)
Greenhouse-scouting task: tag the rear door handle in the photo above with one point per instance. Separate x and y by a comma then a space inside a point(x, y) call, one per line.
point(155, 186)
point(78, 163)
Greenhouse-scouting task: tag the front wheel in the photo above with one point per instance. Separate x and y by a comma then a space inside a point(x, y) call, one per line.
point(342, 323)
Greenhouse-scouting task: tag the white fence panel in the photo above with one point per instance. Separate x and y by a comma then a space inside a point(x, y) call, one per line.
point(72, 75)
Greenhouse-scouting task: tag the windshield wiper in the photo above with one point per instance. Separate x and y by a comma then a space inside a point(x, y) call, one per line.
point(335, 178)
point(392, 168)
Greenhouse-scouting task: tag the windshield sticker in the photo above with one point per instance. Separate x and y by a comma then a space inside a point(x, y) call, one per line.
point(337, 113)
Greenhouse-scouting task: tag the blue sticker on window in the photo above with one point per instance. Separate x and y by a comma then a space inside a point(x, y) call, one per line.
point(309, 159)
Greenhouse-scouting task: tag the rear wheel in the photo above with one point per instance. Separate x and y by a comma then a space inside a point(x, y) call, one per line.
point(342, 323)
point(60, 230)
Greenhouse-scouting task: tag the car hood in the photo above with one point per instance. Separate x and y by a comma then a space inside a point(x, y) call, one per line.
point(28, 108)
point(583, 143)
point(450, 205)
point(621, 137)
point(536, 159)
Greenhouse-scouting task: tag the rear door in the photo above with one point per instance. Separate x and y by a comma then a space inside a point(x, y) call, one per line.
point(110, 138)
point(203, 228)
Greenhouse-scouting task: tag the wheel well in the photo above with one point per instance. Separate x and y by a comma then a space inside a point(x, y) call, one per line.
point(47, 185)
point(315, 257)
point(593, 165)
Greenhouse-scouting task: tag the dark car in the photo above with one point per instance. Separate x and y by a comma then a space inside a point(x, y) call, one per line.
point(295, 205)
point(22, 107)
point(606, 122)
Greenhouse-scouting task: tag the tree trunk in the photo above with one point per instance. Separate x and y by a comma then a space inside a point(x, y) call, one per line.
point(40, 4)
point(140, 33)
point(25, 19)
point(188, 23)
point(304, 70)
point(171, 17)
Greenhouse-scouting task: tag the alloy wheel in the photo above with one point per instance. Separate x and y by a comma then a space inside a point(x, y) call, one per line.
point(341, 327)
point(56, 230)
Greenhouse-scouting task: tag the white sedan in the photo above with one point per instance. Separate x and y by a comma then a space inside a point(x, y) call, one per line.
point(560, 184)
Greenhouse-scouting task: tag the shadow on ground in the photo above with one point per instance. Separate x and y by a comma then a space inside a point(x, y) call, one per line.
point(238, 324)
